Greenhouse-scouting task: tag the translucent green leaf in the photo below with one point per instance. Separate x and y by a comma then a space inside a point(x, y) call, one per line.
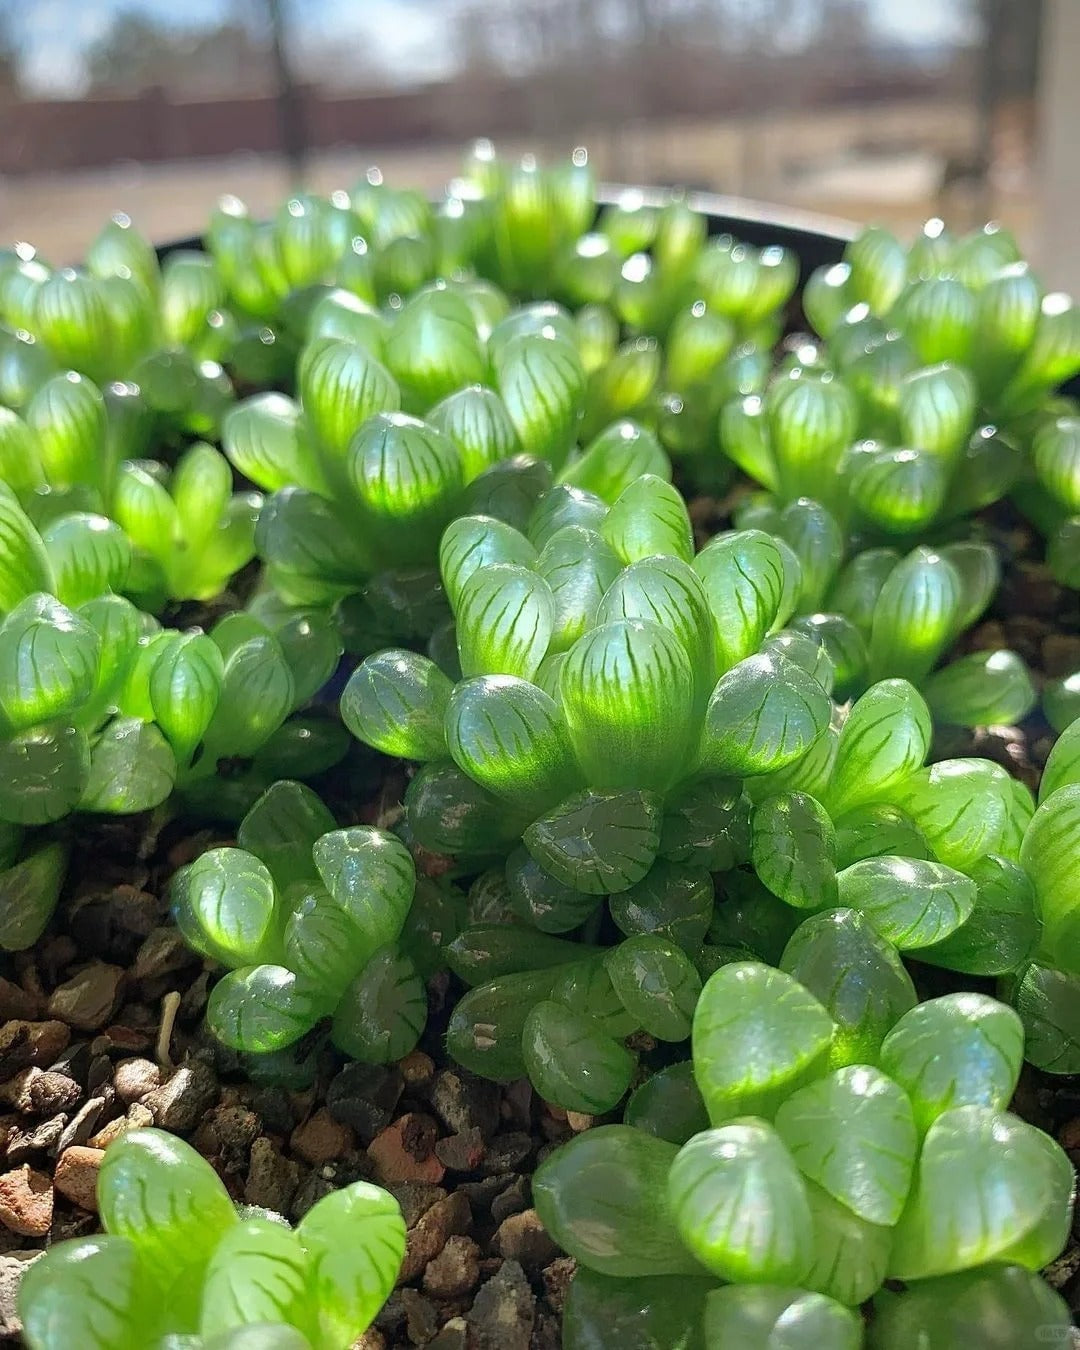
point(509, 490)
point(44, 771)
point(572, 1061)
point(915, 616)
point(185, 685)
point(432, 348)
point(542, 901)
point(396, 701)
point(1049, 856)
point(855, 591)
point(156, 1190)
point(994, 1306)
point(1063, 553)
point(858, 977)
point(763, 715)
point(263, 1008)
point(24, 562)
point(851, 1256)
point(476, 420)
point(751, 1316)
point(383, 1011)
point(132, 768)
point(957, 1050)
point(657, 984)
point(877, 830)
point(484, 1032)
point(912, 902)
point(1056, 450)
point(491, 946)
point(510, 737)
point(704, 824)
point(67, 418)
point(256, 697)
point(936, 408)
point(793, 850)
point(982, 689)
point(448, 813)
point(341, 385)
point(226, 905)
point(407, 475)
point(1062, 768)
point(48, 661)
point(585, 987)
point(758, 1035)
point(29, 890)
point(900, 491)
point(598, 842)
point(321, 942)
point(146, 512)
point(674, 901)
point(811, 420)
point(371, 875)
point(303, 533)
point(984, 1182)
point(962, 807)
point(740, 1205)
point(542, 383)
point(603, 1199)
point(85, 1292)
point(743, 578)
point(264, 440)
point(744, 438)
point(648, 517)
point(474, 542)
point(885, 738)
point(505, 618)
point(818, 542)
point(88, 554)
point(748, 915)
point(355, 1242)
point(627, 692)
point(579, 567)
point(1048, 1002)
point(649, 1312)
point(853, 1133)
point(1001, 932)
point(618, 455)
point(258, 1273)
point(668, 1105)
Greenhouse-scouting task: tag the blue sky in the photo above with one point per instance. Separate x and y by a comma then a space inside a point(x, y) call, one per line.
point(406, 34)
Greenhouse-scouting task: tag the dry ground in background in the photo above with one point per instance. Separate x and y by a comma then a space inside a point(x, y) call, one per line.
point(882, 163)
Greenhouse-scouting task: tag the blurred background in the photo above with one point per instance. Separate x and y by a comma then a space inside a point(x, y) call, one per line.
point(878, 110)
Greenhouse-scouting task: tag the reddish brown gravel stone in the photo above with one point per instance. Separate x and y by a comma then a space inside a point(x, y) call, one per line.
point(76, 1175)
point(26, 1202)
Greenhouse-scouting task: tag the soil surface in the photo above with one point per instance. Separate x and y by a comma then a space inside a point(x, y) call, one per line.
point(100, 1031)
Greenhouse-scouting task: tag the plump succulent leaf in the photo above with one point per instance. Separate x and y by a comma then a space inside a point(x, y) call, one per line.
point(743, 577)
point(649, 516)
point(751, 1316)
point(1048, 855)
point(132, 768)
point(916, 613)
point(853, 1133)
point(257, 1273)
point(29, 891)
point(982, 689)
point(657, 984)
point(505, 619)
point(355, 1241)
point(382, 1013)
point(957, 1050)
point(87, 1293)
point(44, 772)
point(396, 701)
point(154, 1189)
point(840, 957)
point(603, 1199)
point(1001, 933)
point(668, 1105)
point(764, 713)
point(1048, 1004)
point(769, 1239)
point(263, 1008)
point(598, 842)
point(962, 807)
point(793, 849)
point(48, 661)
point(757, 1036)
point(910, 901)
point(648, 1312)
point(851, 1256)
point(964, 1214)
point(485, 1029)
point(572, 1061)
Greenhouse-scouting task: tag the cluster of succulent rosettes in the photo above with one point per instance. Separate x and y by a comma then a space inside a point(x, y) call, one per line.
point(180, 1268)
point(104, 710)
point(70, 450)
point(313, 923)
point(791, 1173)
point(881, 613)
point(933, 371)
